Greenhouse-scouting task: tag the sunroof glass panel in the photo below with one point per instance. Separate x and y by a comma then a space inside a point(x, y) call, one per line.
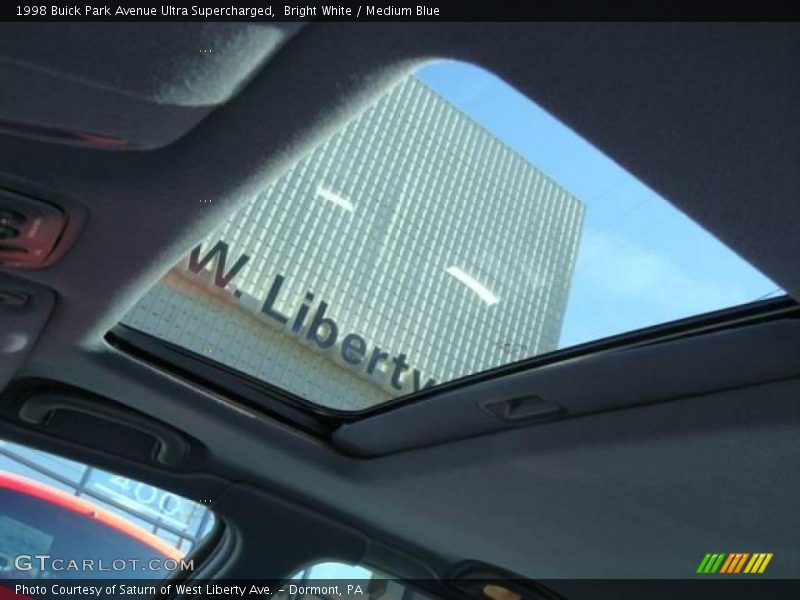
point(452, 227)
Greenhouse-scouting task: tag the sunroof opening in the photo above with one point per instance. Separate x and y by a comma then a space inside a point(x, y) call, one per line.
point(452, 227)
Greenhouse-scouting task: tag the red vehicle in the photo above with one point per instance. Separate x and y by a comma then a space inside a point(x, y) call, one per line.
point(37, 519)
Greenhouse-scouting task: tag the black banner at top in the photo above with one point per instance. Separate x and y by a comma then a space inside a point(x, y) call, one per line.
point(397, 10)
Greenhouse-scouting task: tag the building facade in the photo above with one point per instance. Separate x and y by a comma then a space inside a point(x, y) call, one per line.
point(412, 233)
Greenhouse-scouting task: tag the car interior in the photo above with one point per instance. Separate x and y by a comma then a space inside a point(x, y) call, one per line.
point(625, 458)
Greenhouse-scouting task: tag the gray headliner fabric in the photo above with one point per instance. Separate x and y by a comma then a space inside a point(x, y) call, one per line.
point(147, 84)
point(636, 493)
point(705, 114)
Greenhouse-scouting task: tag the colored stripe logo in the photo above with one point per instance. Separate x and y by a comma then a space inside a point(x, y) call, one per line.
point(734, 562)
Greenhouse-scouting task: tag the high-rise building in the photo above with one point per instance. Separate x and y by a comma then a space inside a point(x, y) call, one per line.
point(413, 232)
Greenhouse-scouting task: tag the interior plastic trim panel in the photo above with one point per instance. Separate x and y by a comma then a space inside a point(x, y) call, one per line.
point(609, 381)
point(24, 310)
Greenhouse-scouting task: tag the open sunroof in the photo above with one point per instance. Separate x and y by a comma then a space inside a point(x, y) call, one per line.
point(451, 228)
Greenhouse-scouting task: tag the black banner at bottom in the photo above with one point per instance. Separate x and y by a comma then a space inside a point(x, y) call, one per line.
point(395, 589)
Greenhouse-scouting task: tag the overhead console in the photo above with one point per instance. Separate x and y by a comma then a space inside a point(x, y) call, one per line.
point(24, 309)
point(31, 231)
point(37, 228)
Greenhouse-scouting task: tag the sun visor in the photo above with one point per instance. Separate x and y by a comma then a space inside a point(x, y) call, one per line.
point(125, 85)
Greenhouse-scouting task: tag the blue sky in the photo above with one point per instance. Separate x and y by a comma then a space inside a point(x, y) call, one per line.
point(641, 261)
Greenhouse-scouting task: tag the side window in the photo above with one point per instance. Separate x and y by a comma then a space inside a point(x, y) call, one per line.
point(315, 581)
point(64, 519)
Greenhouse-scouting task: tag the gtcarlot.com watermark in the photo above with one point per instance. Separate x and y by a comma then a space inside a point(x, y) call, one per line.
point(46, 563)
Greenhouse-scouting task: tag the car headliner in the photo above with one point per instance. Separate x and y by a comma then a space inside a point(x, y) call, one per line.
point(704, 114)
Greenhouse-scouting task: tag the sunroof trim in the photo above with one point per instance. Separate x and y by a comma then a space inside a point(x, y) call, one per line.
point(320, 421)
